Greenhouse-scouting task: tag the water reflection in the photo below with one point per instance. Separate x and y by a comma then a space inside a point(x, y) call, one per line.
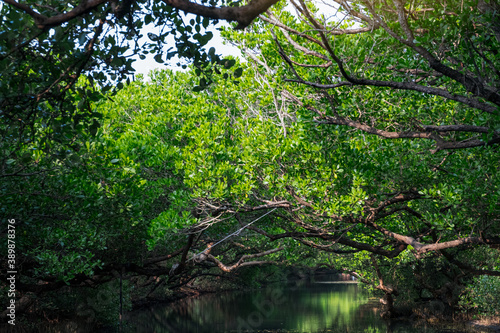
point(312, 307)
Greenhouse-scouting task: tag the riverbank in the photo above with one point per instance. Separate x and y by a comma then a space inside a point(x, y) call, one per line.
point(487, 324)
point(421, 316)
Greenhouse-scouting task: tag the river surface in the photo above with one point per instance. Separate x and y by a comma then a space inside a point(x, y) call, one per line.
point(328, 306)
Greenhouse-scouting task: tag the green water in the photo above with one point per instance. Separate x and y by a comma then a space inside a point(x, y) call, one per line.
point(311, 307)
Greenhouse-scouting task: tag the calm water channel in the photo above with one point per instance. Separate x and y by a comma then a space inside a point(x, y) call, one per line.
point(307, 307)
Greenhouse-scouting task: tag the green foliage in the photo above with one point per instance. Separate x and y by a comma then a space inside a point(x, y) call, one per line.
point(75, 212)
point(97, 179)
point(77, 208)
point(52, 75)
point(227, 146)
point(481, 296)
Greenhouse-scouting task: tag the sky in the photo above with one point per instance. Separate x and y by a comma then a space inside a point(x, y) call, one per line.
point(148, 64)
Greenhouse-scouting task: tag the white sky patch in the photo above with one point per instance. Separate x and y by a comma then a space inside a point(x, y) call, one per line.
point(221, 47)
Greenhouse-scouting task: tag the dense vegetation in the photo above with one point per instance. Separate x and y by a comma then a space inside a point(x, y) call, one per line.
point(365, 141)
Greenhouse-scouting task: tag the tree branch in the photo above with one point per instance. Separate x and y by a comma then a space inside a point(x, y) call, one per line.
point(428, 134)
point(45, 23)
point(469, 83)
point(274, 21)
point(241, 262)
point(421, 248)
point(244, 15)
point(472, 84)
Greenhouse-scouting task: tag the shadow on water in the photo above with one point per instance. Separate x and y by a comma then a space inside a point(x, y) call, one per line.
point(308, 307)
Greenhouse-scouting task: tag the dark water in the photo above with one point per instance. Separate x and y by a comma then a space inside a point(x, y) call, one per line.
point(310, 307)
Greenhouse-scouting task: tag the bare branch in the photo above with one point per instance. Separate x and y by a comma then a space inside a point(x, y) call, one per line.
point(421, 248)
point(371, 23)
point(299, 47)
point(428, 134)
point(403, 22)
point(244, 15)
point(274, 21)
point(241, 262)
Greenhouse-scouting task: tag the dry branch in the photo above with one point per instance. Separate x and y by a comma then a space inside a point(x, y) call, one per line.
point(241, 262)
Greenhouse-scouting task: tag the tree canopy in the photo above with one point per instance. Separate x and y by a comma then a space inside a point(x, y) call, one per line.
point(362, 135)
point(46, 47)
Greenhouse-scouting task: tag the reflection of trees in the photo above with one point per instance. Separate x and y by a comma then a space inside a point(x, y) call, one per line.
point(338, 307)
point(316, 308)
point(200, 314)
point(311, 309)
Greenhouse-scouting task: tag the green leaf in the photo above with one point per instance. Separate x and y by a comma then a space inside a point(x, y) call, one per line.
point(238, 72)
point(152, 36)
point(229, 63)
point(158, 58)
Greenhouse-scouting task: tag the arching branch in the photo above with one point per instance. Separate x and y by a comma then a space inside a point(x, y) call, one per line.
point(242, 262)
point(244, 15)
